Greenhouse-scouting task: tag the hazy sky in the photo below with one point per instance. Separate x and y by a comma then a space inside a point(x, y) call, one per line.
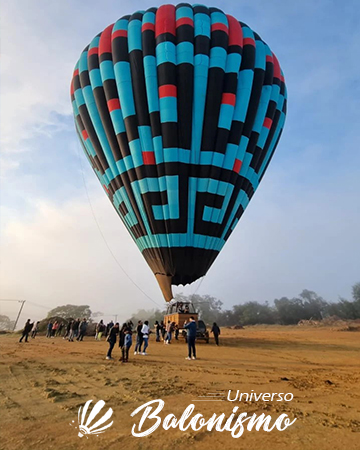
point(301, 229)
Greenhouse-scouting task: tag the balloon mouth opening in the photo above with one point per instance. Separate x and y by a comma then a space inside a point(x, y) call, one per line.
point(165, 285)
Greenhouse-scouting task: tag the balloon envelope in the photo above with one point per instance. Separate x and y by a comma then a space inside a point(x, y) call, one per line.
point(179, 110)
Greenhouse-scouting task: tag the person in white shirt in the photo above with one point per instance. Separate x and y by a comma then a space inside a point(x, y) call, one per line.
point(35, 329)
point(145, 332)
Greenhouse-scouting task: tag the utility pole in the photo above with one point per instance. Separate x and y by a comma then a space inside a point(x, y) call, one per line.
point(116, 318)
point(21, 307)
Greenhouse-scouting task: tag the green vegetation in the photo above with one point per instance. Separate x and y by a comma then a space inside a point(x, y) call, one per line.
point(283, 311)
point(73, 311)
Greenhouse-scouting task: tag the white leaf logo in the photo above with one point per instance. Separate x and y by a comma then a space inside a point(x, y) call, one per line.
point(93, 428)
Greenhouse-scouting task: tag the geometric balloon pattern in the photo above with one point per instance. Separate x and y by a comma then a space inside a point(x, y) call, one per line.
point(179, 110)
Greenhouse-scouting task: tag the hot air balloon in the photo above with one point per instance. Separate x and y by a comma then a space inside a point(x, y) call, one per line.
point(179, 110)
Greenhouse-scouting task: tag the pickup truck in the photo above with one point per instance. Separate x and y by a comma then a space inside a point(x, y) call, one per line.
point(201, 332)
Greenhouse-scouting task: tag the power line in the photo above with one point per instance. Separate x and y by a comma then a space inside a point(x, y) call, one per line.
point(202, 279)
point(10, 300)
point(104, 239)
point(40, 306)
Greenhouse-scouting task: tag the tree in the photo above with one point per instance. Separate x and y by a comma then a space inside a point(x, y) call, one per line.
point(356, 292)
point(314, 305)
point(285, 311)
point(345, 309)
point(73, 311)
point(290, 311)
point(227, 318)
point(6, 324)
point(251, 313)
point(151, 315)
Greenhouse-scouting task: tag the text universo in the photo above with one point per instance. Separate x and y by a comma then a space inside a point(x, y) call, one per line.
point(215, 422)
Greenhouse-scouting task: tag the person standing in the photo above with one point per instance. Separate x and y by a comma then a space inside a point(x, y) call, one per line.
point(54, 328)
point(177, 332)
point(68, 329)
point(76, 327)
point(35, 329)
point(122, 338)
point(145, 333)
point(139, 338)
point(191, 337)
point(126, 346)
point(108, 327)
point(112, 339)
point(59, 331)
point(73, 330)
point(168, 333)
point(163, 330)
point(82, 330)
point(99, 330)
point(216, 331)
point(49, 329)
point(157, 331)
point(27, 328)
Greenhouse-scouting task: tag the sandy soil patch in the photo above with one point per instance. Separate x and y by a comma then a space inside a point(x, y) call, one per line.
point(44, 382)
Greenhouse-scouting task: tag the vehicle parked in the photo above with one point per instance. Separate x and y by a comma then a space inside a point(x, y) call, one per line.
point(201, 332)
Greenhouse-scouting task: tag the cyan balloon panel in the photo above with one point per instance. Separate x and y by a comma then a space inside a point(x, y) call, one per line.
point(179, 110)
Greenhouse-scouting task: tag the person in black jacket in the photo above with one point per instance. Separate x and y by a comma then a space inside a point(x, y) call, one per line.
point(216, 331)
point(76, 328)
point(27, 328)
point(59, 331)
point(157, 330)
point(112, 339)
point(122, 333)
point(162, 330)
point(82, 330)
point(108, 328)
point(68, 328)
point(139, 338)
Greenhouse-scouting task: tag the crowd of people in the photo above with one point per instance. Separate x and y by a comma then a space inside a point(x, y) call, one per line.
point(77, 328)
point(70, 329)
point(162, 332)
point(125, 340)
point(74, 329)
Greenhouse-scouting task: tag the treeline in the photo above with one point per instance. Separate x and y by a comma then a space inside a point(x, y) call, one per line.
point(283, 311)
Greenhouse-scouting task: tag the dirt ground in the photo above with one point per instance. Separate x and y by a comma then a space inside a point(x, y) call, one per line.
point(44, 382)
